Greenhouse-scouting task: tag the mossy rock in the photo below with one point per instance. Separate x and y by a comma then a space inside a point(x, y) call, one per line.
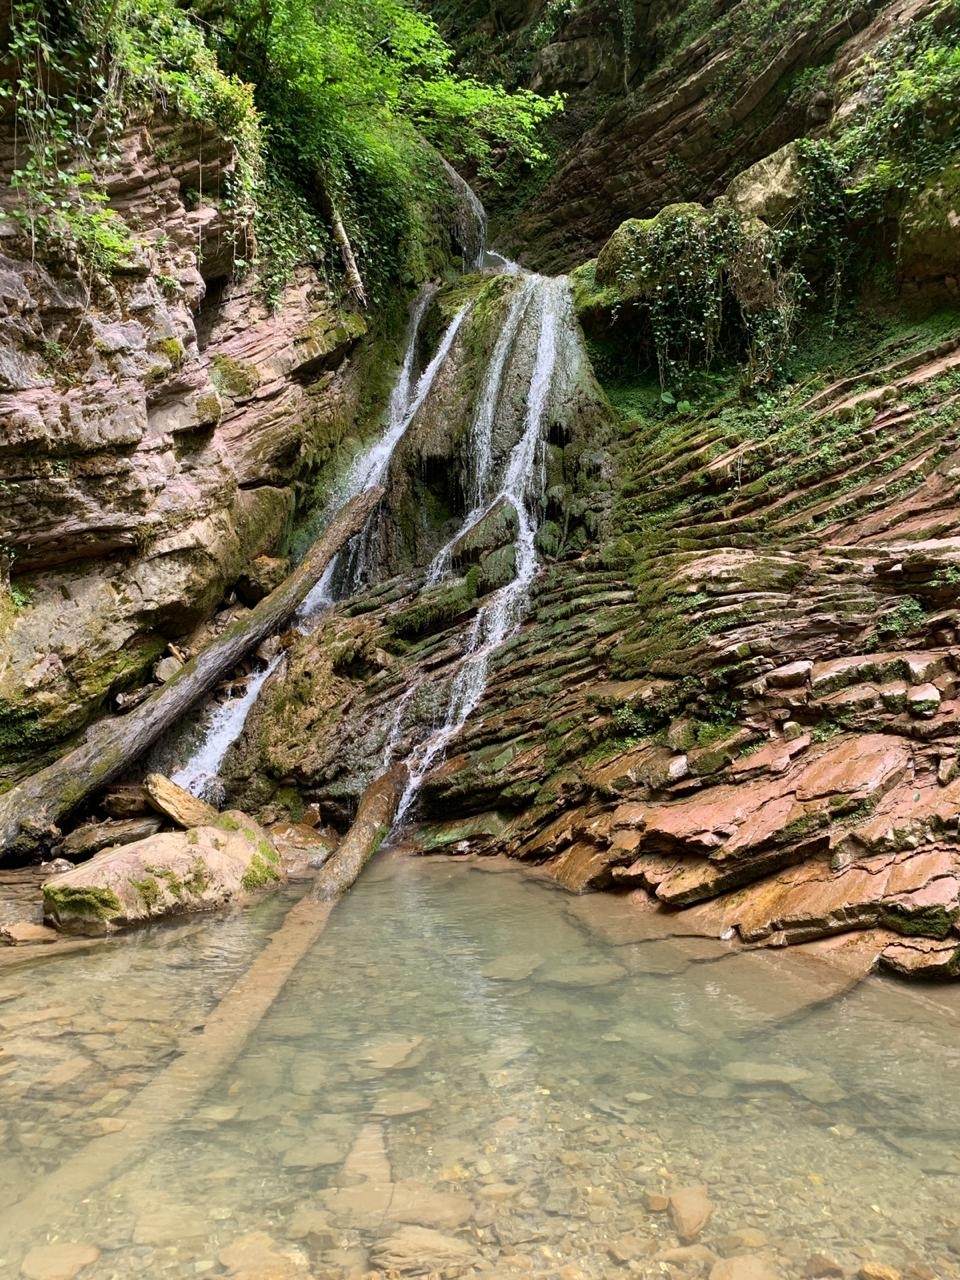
point(929, 245)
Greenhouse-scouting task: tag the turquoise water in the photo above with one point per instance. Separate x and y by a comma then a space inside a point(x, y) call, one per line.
point(480, 1056)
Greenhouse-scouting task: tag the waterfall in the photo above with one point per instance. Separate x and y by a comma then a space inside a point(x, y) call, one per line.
point(481, 428)
point(224, 723)
point(472, 223)
point(371, 467)
point(522, 487)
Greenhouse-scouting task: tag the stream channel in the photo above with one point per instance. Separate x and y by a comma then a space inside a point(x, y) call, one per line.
point(480, 1056)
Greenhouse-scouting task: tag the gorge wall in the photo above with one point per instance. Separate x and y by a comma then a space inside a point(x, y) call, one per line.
point(735, 692)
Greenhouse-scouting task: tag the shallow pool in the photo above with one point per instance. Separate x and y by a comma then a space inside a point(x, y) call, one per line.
point(473, 1073)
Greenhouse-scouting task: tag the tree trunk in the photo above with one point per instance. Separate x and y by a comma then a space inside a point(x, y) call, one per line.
point(378, 806)
point(31, 811)
point(354, 279)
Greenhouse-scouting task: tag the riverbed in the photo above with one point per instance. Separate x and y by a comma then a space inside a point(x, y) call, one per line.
point(471, 1072)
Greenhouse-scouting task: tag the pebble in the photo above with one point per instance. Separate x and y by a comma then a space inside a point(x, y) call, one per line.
point(690, 1209)
point(57, 1261)
point(876, 1271)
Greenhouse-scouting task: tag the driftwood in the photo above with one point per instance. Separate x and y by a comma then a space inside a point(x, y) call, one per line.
point(378, 806)
point(30, 812)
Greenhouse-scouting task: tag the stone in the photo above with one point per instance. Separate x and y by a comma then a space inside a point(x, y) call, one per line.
point(85, 841)
point(690, 1211)
point(656, 1201)
point(923, 701)
point(876, 1271)
point(421, 1250)
point(770, 189)
point(177, 804)
point(789, 676)
point(166, 874)
point(128, 800)
point(24, 933)
point(167, 668)
point(745, 1267)
point(57, 1261)
point(754, 1073)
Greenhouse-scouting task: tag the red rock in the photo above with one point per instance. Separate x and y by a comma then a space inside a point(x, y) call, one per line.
point(690, 1209)
point(860, 766)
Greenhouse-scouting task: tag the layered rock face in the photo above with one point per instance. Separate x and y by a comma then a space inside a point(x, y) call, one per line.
point(155, 428)
point(735, 696)
point(714, 105)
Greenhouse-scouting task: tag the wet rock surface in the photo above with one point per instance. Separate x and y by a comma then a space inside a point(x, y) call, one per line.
point(153, 434)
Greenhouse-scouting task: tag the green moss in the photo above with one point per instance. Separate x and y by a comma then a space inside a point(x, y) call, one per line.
point(227, 823)
point(173, 349)
point(235, 378)
point(925, 922)
point(435, 609)
point(149, 890)
point(65, 902)
point(259, 873)
point(209, 408)
point(267, 851)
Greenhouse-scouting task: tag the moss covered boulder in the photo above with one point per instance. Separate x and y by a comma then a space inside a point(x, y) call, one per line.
point(164, 875)
point(929, 245)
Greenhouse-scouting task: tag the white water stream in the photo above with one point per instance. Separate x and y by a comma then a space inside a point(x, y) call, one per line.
point(521, 486)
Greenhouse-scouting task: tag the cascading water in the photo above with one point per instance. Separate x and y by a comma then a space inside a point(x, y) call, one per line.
point(371, 467)
point(522, 488)
point(472, 223)
point(481, 428)
point(225, 721)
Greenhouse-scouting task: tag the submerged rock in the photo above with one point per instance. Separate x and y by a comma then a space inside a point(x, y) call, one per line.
point(166, 874)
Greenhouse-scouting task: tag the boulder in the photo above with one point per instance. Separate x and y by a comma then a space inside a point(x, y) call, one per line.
point(166, 874)
point(770, 189)
point(177, 804)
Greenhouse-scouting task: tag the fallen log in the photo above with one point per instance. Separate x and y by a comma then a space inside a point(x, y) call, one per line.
point(31, 811)
point(378, 807)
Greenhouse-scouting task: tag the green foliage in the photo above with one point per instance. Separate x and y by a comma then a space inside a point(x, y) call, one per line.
point(74, 74)
point(908, 98)
point(698, 278)
point(347, 89)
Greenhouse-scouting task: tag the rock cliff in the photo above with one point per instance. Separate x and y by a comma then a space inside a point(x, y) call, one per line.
point(157, 429)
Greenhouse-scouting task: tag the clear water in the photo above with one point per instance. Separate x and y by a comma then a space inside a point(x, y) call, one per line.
point(436, 1056)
